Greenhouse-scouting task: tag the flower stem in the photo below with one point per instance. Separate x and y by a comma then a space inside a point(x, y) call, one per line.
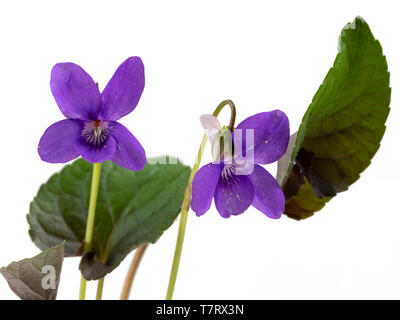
point(99, 292)
point(186, 200)
point(90, 220)
point(132, 271)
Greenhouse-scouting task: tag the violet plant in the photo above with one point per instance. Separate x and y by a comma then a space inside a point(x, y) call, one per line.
point(91, 129)
point(235, 179)
point(339, 134)
point(78, 214)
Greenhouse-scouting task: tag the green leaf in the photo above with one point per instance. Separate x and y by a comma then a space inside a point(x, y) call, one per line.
point(342, 128)
point(133, 208)
point(36, 278)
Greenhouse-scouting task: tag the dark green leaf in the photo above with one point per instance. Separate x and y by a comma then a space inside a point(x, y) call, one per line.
point(133, 208)
point(36, 278)
point(342, 128)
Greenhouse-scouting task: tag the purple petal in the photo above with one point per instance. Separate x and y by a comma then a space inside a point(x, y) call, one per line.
point(271, 136)
point(203, 187)
point(130, 153)
point(268, 196)
point(95, 154)
point(75, 92)
point(234, 195)
point(123, 91)
point(57, 143)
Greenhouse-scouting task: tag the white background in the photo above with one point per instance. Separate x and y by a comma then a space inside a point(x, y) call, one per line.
point(262, 55)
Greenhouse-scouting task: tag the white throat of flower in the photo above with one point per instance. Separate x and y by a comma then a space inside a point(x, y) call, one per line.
point(96, 132)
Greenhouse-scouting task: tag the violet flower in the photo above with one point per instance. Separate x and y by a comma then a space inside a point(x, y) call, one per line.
point(91, 128)
point(238, 181)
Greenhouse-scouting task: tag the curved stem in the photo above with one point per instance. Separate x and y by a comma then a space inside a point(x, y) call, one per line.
point(90, 220)
point(186, 200)
point(132, 271)
point(233, 112)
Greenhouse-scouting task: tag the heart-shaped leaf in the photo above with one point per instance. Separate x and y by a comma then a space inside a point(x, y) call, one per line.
point(36, 278)
point(133, 208)
point(342, 128)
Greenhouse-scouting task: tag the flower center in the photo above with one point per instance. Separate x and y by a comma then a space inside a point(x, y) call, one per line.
point(229, 170)
point(96, 132)
point(236, 167)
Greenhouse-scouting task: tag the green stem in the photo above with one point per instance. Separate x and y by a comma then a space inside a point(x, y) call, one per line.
point(99, 292)
point(186, 200)
point(82, 289)
point(90, 220)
